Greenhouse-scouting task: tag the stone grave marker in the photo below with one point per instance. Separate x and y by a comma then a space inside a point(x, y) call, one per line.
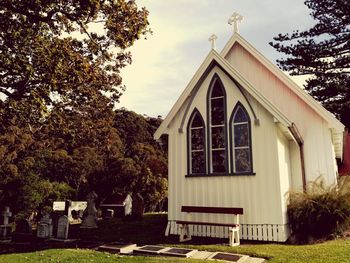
point(5, 227)
point(138, 205)
point(45, 227)
point(63, 227)
point(24, 226)
point(23, 231)
point(90, 220)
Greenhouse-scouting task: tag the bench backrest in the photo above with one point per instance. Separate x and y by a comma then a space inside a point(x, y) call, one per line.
point(214, 210)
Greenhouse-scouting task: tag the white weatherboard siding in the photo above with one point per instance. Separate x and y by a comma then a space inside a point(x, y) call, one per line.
point(259, 195)
point(313, 129)
point(284, 171)
point(295, 166)
point(278, 104)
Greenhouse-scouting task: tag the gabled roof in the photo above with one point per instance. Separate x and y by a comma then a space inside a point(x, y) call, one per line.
point(315, 105)
point(214, 59)
point(334, 124)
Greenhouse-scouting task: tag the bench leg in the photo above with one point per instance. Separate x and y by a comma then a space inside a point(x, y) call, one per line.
point(185, 234)
point(167, 230)
point(234, 236)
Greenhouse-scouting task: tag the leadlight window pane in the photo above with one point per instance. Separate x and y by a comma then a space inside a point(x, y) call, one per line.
point(198, 162)
point(217, 111)
point(241, 134)
point(217, 90)
point(242, 160)
point(240, 115)
point(197, 122)
point(218, 137)
point(219, 161)
point(197, 139)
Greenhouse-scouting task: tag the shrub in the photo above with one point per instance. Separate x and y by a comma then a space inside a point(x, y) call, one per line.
point(320, 212)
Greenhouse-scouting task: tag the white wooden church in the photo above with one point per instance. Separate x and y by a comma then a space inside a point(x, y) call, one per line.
point(242, 134)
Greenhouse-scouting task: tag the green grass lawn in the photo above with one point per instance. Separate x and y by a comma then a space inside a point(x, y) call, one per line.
point(331, 251)
point(151, 231)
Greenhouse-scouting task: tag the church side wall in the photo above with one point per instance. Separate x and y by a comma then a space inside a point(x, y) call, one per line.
point(285, 170)
point(259, 195)
point(316, 135)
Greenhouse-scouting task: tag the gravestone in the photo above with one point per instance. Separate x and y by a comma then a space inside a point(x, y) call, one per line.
point(127, 205)
point(5, 227)
point(63, 227)
point(90, 220)
point(138, 205)
point(23, 231)
point(45, 227)
point(24, 226)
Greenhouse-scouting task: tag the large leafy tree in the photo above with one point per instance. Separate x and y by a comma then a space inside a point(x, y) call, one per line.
point(42, 60)
point(323, 52)
point(60, 65)
point(143, 165)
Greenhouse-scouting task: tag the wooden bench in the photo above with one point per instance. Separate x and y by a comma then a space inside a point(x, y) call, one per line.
point(185, 234)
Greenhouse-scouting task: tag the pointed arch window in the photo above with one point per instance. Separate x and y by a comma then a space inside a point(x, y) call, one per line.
point(217, 127)
point(196, 144)
point(241, 146)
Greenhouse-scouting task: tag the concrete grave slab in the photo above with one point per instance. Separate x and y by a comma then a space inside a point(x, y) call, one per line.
point(228, 257)
point(179, 252)
point(150, 250)
point(254, 260)
point(117, 247)
point(202, 254)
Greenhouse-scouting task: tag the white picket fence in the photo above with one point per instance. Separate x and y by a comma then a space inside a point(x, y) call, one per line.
point(262, 232)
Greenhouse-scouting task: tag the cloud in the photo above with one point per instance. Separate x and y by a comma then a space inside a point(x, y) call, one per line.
point(165, 62)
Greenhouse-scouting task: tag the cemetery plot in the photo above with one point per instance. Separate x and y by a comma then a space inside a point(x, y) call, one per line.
point(23, 232)
point(117, 247)
point(228, 257)
point(179, 252)
point(63, 228)
point(150, 250)
point(5, 227)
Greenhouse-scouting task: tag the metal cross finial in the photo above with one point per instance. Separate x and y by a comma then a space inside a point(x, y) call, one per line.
point(234, 19)
point(213, 38)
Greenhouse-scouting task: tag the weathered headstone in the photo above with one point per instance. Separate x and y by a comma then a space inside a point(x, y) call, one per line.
point(24, 226)
point(127, 205)
point(23, 231)
point(5, 227)
point(63, 227)
point(138, 205)
point(90, 220)
point(45, 227)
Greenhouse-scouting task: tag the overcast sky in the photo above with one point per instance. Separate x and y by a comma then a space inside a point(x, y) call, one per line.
point(165, 62)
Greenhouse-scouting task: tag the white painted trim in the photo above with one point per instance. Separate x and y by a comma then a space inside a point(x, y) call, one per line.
point(214, 56)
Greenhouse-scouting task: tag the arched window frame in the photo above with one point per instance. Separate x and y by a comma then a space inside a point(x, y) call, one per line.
point(216, 81)
point(238, 106)
point(189, 143)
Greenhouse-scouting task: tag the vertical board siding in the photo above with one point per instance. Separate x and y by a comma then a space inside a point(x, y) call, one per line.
point(259, 195)
point(259, 232)
point(312, 127)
